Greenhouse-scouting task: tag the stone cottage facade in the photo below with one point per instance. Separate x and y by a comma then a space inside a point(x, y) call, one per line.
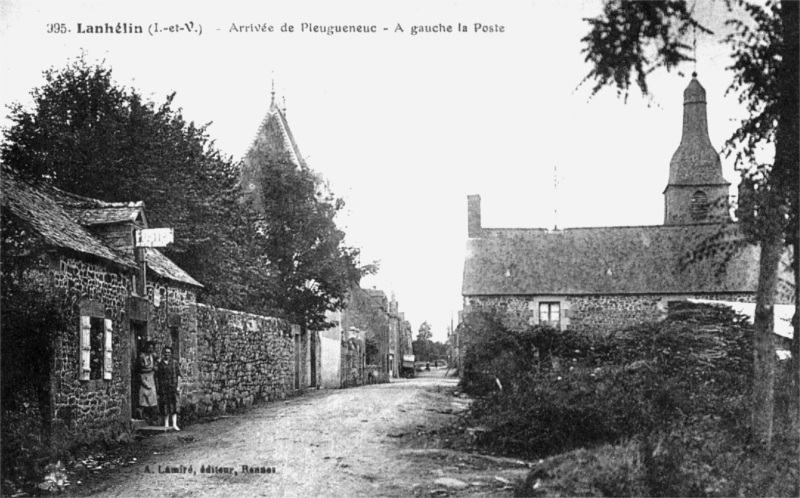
point(603, 279)
point(162, 301)
point(111, 297)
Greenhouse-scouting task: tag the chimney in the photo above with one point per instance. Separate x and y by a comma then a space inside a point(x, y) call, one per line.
point(473, 216)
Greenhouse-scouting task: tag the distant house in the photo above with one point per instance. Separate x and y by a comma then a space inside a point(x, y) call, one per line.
point(602, 279)
point(371, 334)
point(115, 296)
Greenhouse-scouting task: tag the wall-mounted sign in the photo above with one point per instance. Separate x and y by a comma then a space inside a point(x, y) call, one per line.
point(154, 237)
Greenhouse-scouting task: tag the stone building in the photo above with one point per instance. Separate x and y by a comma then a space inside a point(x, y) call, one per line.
point(107, 297)
point(161, 306)
point(602, 279)
point(112, 298)
point(370, 335)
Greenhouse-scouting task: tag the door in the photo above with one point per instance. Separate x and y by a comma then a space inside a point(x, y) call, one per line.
point(138, 338)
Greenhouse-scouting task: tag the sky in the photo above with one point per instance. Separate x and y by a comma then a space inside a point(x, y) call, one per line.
point(403, 126)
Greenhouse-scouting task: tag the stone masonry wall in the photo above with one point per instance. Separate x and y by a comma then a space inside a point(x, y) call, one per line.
point(229, 360)
point(514, 309)
point(596, 314)
point(87, 411)
point(240, 359)
point(603, 314)
point(175, 317)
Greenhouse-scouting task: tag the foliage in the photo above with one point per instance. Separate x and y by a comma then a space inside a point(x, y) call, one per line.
point(32, 317)
point(311, 268)
point(654, 410)
point(425, 333)
point(617, 44)
point(688, 460)
point(89, 136)
point(766, 64)
point(757, 47)
point(581, 389)
point(428, 350)
point(424, 348)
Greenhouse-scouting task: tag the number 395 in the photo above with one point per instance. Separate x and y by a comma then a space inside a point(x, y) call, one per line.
point(57, 28)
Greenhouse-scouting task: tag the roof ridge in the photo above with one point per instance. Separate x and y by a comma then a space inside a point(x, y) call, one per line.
point(286, 134)
point(72, 200)
point(617, 227)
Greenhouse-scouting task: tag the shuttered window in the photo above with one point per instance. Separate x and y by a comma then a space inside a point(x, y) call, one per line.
point(699, 208)
point(96, 361)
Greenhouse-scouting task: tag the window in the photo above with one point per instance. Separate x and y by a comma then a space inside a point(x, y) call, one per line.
point(550, 314)
point(699, 209)
point(95, 350)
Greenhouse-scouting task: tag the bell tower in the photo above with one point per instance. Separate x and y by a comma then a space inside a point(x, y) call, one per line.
point(696, 191)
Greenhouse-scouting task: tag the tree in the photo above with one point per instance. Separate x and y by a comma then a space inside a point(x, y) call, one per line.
point(632, 38)
point(425, 349)
point(89, 136)
point(425, 333)
point(311, 269)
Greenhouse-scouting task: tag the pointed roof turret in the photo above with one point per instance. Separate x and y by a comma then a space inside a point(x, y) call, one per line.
point(275, 134)
point(695, 162)
point(696, 191)
point(273, 137)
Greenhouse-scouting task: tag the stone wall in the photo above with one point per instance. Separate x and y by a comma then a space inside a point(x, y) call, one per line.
point(173, 322)
point(85, 411)
point(229, 360)
point(240, 359)
point(595, 314)
point(603, 314)
point(367, 314)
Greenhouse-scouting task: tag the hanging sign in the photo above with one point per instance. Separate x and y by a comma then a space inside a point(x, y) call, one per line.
point(154, 237)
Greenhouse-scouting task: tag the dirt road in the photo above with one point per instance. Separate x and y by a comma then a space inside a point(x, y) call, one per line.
point(379, 440)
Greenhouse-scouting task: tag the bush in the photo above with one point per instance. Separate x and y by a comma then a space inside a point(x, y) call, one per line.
point(32, 314)
point(562, 390)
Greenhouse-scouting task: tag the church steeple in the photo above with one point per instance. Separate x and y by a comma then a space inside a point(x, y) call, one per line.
point(274, 137)
point(696, 191)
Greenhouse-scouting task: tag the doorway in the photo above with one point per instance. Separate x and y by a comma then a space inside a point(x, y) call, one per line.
point(175, 336)
point(138, 339)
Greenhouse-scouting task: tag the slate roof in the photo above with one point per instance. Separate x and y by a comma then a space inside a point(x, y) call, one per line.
point(695, 162)
point(106, 215)
point(164, 266)
point(60, 217)
point(91, 212)
point(609, 260)
point(51, 221)
point(274, 137)
point(274, 133)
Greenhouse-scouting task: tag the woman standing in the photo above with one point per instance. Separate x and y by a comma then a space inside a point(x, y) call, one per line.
point(148, 399)
point(167, 376)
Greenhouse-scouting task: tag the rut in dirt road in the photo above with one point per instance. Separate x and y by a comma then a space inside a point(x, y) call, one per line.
point(324, 443)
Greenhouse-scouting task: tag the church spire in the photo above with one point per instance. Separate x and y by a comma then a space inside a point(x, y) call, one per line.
point(274, 137)
point(696, 191)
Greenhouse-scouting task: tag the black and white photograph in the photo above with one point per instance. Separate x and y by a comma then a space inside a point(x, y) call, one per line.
point(400, 248)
